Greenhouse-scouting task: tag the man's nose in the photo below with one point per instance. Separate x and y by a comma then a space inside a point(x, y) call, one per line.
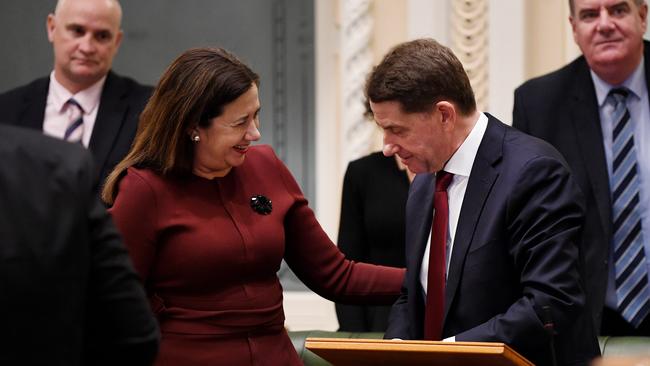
point(390, 149)
point(605, 23)
point(87, 43)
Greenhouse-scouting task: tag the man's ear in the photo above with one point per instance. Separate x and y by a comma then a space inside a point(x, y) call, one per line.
point(573, 21)
point(643, 13)
point(118, 39)
point(50, 25)
point(447, 112)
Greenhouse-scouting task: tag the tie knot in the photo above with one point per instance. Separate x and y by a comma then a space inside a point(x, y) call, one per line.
point(75, 128)
point(72, 102)
point(619, 95)
point(443, 179)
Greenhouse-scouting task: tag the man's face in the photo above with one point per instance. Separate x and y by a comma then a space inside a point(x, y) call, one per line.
point(422, 141)
point(610, 35)
point(85, 35)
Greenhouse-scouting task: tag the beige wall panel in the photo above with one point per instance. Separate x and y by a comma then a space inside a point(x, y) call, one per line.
point(390, 18)
point(549, 40)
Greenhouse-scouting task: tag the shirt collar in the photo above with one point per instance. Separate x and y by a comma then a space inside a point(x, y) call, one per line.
point(635, 83)
point(88, 98)
point(463, 159)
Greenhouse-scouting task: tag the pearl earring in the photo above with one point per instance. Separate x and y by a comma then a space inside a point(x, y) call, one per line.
point(196, 138)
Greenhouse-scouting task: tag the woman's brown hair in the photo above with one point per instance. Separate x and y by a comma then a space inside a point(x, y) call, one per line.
point(192, 91)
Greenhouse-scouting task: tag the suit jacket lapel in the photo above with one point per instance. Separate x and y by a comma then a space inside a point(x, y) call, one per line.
point(419, 212)
point(34, 102)
point(481, 180)
point(589, 137)
point(110, 117)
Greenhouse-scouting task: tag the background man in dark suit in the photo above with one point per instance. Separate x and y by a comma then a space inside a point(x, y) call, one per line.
point(103, 116)
point(501, 258)
point(371, 228)
point(68, 292)
point(607, 146)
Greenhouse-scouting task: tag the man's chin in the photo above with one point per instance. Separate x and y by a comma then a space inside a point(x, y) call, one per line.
point(86, 76)
point(608, 55)
point(416, 168)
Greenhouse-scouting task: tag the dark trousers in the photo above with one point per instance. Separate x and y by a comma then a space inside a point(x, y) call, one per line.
point(614, 325)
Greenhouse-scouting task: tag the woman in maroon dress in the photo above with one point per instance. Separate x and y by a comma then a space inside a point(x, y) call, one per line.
point(208, 219)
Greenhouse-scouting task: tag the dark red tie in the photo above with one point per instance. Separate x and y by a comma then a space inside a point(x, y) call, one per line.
point(435, 305)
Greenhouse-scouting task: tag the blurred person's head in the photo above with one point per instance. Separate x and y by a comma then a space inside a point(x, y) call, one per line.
point(610, 35)
point(201, 119)
point(421, 97)
point(85, 36)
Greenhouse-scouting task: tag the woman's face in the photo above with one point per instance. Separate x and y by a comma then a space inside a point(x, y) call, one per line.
point(224, 143)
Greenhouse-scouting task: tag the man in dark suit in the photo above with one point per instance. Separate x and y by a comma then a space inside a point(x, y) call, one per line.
point(575, 109)
point(492, 217)
point(68, 292)
point(371, 228)
point(82, 100)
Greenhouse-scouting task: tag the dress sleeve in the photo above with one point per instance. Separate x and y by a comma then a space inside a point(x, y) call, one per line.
point(322, 267)
point(134, 212)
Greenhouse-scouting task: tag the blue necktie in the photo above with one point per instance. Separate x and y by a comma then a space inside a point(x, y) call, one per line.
point(74, 131)
point(630, 267)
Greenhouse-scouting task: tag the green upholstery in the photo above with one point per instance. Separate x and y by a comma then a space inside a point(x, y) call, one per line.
point(624, 346)
point(308, 357)
point(609, 346)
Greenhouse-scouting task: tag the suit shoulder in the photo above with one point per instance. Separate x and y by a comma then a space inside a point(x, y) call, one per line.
point(136, 87)
point(371, 159)
point(369, 164)
point(555, 81)
point(527, 147)
point(31, 147)
point(131, 86)
point(10, 97)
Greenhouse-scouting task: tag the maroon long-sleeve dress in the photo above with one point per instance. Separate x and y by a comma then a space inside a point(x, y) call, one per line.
point(209, 261)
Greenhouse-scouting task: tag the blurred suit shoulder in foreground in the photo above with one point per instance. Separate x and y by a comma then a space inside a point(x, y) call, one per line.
point(68, 291)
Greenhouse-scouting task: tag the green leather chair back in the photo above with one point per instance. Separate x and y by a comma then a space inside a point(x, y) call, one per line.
point(624, 346)
point(308, 357)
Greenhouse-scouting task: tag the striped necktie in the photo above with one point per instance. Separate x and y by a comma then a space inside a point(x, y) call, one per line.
point(630, 267)
point(75, 130)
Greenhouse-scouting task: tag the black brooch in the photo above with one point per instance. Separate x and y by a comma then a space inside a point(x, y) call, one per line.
point(261, 204)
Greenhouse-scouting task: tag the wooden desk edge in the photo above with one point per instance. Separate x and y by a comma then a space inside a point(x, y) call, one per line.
point(413, 346)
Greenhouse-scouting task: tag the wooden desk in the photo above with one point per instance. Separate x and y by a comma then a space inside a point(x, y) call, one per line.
point(366, 352)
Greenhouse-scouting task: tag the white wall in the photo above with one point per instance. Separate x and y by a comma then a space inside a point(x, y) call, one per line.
point(506, 55)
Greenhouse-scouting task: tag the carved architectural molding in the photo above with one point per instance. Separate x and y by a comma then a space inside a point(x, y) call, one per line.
point(470, 42)
point(356, 61)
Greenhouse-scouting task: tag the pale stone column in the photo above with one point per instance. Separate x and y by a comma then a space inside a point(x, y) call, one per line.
point(470, 42)
point(355, 63)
